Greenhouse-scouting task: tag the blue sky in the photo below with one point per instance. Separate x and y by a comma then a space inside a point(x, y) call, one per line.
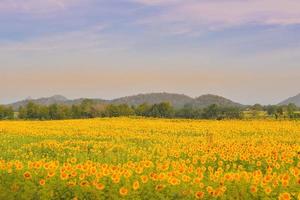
point(248, 51)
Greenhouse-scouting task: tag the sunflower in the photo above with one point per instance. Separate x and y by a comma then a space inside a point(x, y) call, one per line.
point(253, 189)
point(42, 182)
point(64, 176)
point(136, 185)
point(285, 196)
point(123, 191)
point(51, 173)
point(174, 181)
point(268, 190)
point(27, 175)
point(100, 186)
point(19, 166)
point(71, 183)
point(144, 178)
point(159, 187)
point(73, 160)
point(84, 183)
point(199, 195)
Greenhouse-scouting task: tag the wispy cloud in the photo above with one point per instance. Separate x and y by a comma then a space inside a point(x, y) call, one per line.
point(222, 14)
point(35, 6)
point(88, 38)
point(156, 2)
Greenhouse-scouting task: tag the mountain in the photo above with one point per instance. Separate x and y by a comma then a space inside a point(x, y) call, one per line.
point(295, 100)
point(42, 101)
point(58, 99)
point(78, 101)
point(208, 99)
point(177, 100)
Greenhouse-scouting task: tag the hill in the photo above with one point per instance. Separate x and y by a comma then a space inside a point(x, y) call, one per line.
point(56, 99)
point(208, 99)
point(78, 101)
point(177, 100)
point(42, 101)
point(295, 100)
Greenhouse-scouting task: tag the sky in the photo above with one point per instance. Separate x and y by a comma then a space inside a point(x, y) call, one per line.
point(245, 50)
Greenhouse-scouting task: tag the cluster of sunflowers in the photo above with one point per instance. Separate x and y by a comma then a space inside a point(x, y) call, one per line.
point(137, 158)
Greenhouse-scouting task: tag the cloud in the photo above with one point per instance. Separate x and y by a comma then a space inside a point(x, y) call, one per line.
point(156, 2)
point(35, 6)
point(88, 38)
point(217, 14)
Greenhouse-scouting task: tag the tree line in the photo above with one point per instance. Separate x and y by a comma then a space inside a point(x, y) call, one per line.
point(89, 109)
point(290, 111)
point(6, 112)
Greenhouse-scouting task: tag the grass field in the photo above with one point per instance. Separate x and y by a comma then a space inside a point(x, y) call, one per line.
point(123, 158)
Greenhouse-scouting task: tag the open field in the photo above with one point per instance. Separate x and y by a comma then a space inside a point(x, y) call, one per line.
point(149, 159)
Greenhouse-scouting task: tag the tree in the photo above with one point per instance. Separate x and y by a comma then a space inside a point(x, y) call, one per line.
point(64, 112)
point(211, 112)
point(9, 113)
point(112, 111)
point(2, 112)
point(271, 110)
point(185, 112)
point(291, 108)
point(86, 108)
point(118, 110)
point(280, 111)
point(59, 112)
point(44, 113)
point(32, 110)
point(189, 112)
point(22, 112)
point(256, 110)
point(142, 110)
point(6, 112)
point(257, 107)
point(125, 110)
point(53, 111)
point(230, 113)
point(75, 112)
point(163, 109)
point(97, 110)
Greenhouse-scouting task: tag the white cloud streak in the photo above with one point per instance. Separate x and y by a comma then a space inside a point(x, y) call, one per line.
point(215, 14)
point(35, 6)
point(89, 38)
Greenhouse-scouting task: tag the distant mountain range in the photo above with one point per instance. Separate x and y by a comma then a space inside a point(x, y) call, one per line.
point(295, 100)
point(56, 99)
point(177, 100)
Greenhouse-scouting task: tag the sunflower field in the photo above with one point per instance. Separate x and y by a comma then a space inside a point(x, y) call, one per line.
point(137, 158)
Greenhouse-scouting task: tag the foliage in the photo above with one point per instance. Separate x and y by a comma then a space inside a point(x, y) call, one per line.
point(6, 112)
point(91, 109)
point(127, 158)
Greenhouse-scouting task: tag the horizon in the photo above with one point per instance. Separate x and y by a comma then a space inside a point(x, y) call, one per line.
point(110, 99)
point(246, 51)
